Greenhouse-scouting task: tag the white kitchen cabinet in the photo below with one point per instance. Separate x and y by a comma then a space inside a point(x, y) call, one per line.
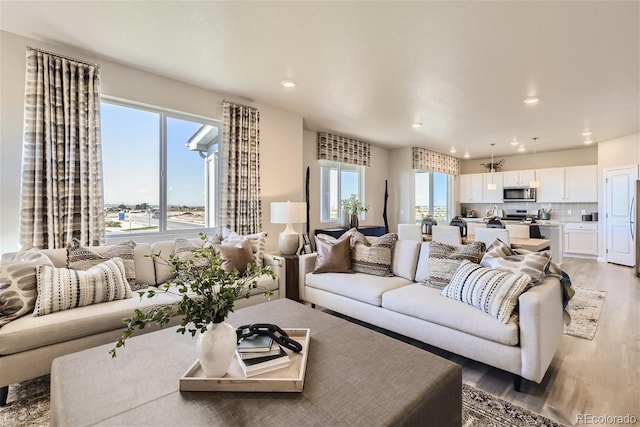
point(581, 238)
point(492, 196)
point(518, 178)
point(576, 184)
point(471, 188)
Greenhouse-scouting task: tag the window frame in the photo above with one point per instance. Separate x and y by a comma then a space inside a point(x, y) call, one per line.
point(324, 196)
point(450, 195)
point(164, 114)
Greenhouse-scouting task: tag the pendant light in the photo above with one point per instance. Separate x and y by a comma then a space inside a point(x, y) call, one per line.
point(535, 183)
point(492, 185)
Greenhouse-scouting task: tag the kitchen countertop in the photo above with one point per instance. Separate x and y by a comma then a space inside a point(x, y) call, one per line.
point(546, 223)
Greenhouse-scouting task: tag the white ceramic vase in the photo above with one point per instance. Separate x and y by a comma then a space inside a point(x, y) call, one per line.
point(215, 348)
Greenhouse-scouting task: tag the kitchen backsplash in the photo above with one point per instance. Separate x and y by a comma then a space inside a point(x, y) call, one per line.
point(559, 211)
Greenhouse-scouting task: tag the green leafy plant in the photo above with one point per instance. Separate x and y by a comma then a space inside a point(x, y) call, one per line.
point(207, 293)
point(353, 205)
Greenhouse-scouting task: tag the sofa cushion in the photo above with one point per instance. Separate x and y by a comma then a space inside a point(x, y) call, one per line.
point(405, 257)
point(445, 259)
point(493, 291)
point(500, 255)
point(359, 286)
point(372, 256)
point(18, 284)
point(63, 288)
point(422, 269)
point(82, 258)
point(334, 256)
point(29, 332)
point(427, 304)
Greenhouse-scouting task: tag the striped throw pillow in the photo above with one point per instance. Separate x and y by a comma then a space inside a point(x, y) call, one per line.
point(501, 256)
point(372, 257)
point(81, 258)
point(62, 288)
point(493, 291)
point(445, 259)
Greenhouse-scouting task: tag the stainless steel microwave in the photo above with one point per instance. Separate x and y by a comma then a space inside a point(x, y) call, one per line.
point(519, 195)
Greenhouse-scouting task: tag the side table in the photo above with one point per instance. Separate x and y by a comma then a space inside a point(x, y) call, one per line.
point(291, 274)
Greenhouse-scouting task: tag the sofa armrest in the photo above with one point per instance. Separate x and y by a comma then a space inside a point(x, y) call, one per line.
point(541, 327)
point(277, 266)
point(307, 263)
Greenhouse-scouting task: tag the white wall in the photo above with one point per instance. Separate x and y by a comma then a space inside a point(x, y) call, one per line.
point(280, 130)
point(375, 176)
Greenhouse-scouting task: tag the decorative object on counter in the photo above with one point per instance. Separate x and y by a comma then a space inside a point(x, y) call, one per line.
point(470, 213)
point(353, 206)
point(534, 183)
point(288, 213)
point(208, 292)
point(594, 216)
point(492, 185)
point(545, 214)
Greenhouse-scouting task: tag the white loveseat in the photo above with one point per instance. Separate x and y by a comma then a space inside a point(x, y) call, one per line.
point(29, 344)
point(403, 305)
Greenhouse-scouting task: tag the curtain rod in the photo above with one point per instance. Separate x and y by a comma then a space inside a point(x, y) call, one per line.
point(63, 56)
point(237, 103)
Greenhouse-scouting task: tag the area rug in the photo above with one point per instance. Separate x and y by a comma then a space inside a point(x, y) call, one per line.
point(584, 308)
point(28, 406)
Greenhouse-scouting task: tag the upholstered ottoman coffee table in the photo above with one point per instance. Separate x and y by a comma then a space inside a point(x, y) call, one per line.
point(354, 376)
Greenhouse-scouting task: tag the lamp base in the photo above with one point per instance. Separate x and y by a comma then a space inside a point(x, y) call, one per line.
point(288, 243)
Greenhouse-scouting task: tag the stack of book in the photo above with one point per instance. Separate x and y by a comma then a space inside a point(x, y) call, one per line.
point(260, 354)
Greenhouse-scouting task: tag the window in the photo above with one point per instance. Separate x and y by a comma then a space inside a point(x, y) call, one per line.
point(160, 169)
point(338, 181)
point(433, 195)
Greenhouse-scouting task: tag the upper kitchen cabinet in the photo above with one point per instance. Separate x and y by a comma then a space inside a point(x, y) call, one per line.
point(474, 188)
point(576, 184)
point(493, 196)
point(471, 188)
point(518, 178)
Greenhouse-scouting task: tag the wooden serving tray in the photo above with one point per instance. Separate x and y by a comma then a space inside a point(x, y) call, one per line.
point(289, 379)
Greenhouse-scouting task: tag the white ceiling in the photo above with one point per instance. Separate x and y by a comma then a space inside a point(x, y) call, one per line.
point(370, 69)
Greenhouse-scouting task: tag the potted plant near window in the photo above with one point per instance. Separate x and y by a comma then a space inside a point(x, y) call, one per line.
point(352, 206)
point(208, 291)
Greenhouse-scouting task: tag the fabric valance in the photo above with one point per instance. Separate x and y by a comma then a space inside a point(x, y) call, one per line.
point(428, 160)
point(346, 150)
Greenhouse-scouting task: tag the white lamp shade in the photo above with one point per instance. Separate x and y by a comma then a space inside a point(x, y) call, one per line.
point(288, 212)
point(492, 186)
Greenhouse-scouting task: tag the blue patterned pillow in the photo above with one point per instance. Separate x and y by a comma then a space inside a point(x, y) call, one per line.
point(493, 291)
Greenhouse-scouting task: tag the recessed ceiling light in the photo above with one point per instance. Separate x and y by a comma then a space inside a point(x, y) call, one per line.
point(521, 149)
point(452, 150)
point(586, 133)
point(514, 142)
point(531, 100)
point(288, 83)
point(416, 124)
point(588, 141)
point(467, 155)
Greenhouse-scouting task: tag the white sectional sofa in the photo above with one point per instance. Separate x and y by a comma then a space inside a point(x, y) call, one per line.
point(29, 344)
point(403, 305)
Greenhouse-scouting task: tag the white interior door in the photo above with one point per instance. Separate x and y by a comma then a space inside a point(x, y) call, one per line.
point(620, 214)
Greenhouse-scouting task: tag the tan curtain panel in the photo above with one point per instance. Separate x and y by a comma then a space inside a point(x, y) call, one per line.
point(240, 204)
point(62, 188)
point(431, 161)
point(340, 149)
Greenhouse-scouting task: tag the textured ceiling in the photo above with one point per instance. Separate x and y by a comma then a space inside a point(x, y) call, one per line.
point(370, 69)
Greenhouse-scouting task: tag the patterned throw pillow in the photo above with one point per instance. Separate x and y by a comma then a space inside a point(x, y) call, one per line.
point(182, 249)
point(62, 288)
point(493, 291)
point(445, 259)
point(501, 256)
point(372, 257)
point(18, 284)
point(82, 258)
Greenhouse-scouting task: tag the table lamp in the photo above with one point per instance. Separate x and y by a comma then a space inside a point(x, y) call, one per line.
point(288, 213)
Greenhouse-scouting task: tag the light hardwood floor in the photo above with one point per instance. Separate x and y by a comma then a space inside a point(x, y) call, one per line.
point(598, 377)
